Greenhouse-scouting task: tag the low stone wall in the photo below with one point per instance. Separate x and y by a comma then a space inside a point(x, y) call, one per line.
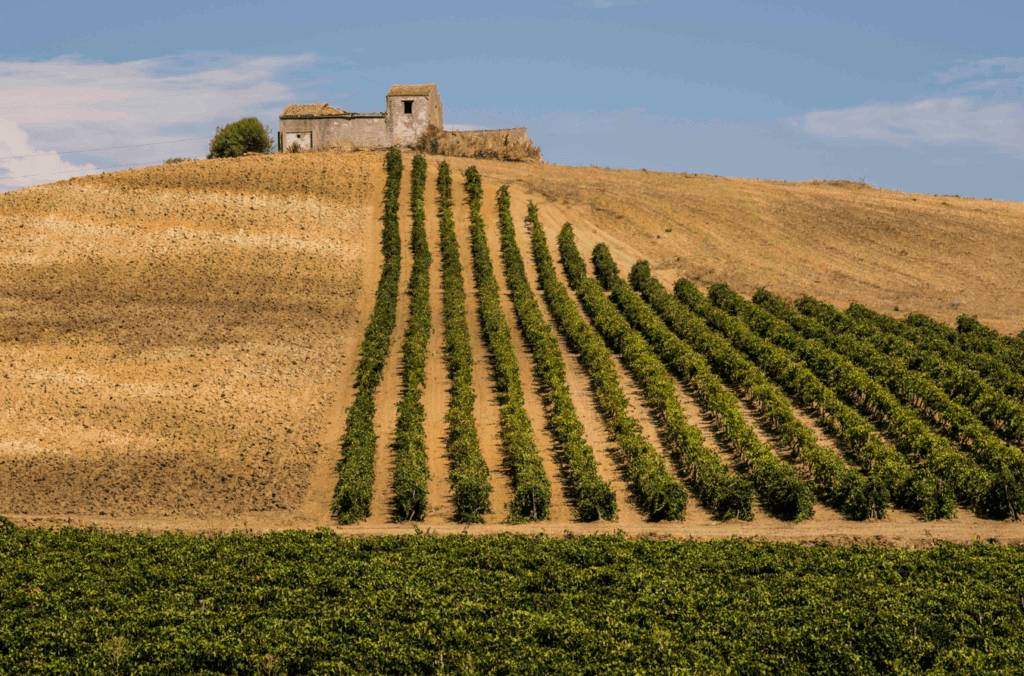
point(494, 136)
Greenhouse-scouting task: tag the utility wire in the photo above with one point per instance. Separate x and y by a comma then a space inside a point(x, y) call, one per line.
point(70, 171)
point(92, 150)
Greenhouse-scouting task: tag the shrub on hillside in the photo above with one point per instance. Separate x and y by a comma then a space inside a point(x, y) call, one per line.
point(248, 135)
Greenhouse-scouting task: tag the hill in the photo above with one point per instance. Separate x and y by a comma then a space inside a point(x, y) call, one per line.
point(180, 340)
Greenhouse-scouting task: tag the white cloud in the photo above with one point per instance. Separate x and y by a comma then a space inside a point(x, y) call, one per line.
point(989, 116)
point(70, 104)
point(935, 120)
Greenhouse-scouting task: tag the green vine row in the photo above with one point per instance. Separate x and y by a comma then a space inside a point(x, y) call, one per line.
point(689, 343)
point(468, 474)
point(354, 490)
point(782, 491)
point(721, 490)
point(950, 367)
point(820, 320)
point(594, 497)
point(915, 489)
point(410, 445)
point(657, 493)
point(531, 487)
point(973, 486)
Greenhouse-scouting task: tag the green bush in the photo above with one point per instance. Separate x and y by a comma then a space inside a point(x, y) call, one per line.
point(248, 135)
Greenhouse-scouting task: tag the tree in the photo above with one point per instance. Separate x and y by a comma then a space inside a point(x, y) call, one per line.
point(248, 135)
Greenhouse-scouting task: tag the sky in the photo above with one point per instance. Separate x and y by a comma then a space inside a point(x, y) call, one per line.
point(913, 96)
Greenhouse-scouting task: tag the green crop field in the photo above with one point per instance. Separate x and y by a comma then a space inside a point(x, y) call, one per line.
point(77, 601)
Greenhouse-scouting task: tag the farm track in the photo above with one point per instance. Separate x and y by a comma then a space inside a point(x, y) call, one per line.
point(561, 508)
point(436, 397)
point(310, 509)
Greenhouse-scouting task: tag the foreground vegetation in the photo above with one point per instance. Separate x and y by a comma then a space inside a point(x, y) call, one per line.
point(84, 602)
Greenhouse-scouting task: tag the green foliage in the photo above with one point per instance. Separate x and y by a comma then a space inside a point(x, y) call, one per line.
point(84, 602)
point(248, 135)
point(725, 494)
point(410, 444)
point(659, 495)
point(780, 487)
point(972, 335)
point(594, 498)
point(468, 472)
point(531, 487)
point(720, 488)
point(882, 356)
point(913, 489)
point(977, 380)
point(971, 484)
point(695, 350)
point(354, 490)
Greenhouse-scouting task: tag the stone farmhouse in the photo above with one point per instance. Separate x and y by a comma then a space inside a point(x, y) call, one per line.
point(409, 110)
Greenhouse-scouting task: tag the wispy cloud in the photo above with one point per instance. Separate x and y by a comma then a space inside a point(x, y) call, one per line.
point(980, 107)
point(70, 104)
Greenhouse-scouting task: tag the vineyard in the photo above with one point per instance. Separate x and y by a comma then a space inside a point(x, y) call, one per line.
point(465, 417)
point(501, 363)
point(756, 408)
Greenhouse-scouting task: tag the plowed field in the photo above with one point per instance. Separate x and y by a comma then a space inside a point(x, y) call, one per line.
point(177, 343)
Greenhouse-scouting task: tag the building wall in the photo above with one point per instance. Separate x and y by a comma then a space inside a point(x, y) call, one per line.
point(365, 131)
point(377, 130)
point(406, 128)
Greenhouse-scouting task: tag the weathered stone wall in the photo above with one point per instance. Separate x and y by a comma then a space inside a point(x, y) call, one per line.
point(394, 127)
point(406, 128)
point(511, 135)
point(365, 131)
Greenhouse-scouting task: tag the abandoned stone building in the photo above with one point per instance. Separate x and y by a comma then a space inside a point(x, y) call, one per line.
point(408, 111)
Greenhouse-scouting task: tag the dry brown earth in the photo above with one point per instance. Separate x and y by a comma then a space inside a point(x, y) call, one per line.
point(176, 343)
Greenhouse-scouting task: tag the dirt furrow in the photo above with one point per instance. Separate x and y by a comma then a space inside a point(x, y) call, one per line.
point(561, 492)
point(435, 398)
point(637, 409)
point(486, 409)
point(316, 507)
point(606, 451)
point(390, 391)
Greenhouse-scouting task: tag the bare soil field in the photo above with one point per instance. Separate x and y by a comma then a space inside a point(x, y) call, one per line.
point(177, 343)
point(174, 339)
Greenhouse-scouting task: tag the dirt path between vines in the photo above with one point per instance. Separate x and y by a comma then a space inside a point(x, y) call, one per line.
point(606, 451)
point(440, 508)
point(561, 509)
point(486, 408)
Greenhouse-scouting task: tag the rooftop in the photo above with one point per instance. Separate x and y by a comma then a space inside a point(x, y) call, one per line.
point(312, 109)
point(412, 90)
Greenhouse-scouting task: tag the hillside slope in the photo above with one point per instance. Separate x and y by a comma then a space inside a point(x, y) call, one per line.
point(178, 342)
point(840, 241)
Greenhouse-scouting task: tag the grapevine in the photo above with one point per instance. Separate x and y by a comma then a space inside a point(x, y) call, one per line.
point(468, 472)
point(354, 490)
point(531, 487)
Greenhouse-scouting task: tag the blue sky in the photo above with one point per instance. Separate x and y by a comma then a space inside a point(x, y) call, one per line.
point(907, 95)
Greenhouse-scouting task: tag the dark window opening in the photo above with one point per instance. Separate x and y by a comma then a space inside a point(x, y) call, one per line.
point(408, 107)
